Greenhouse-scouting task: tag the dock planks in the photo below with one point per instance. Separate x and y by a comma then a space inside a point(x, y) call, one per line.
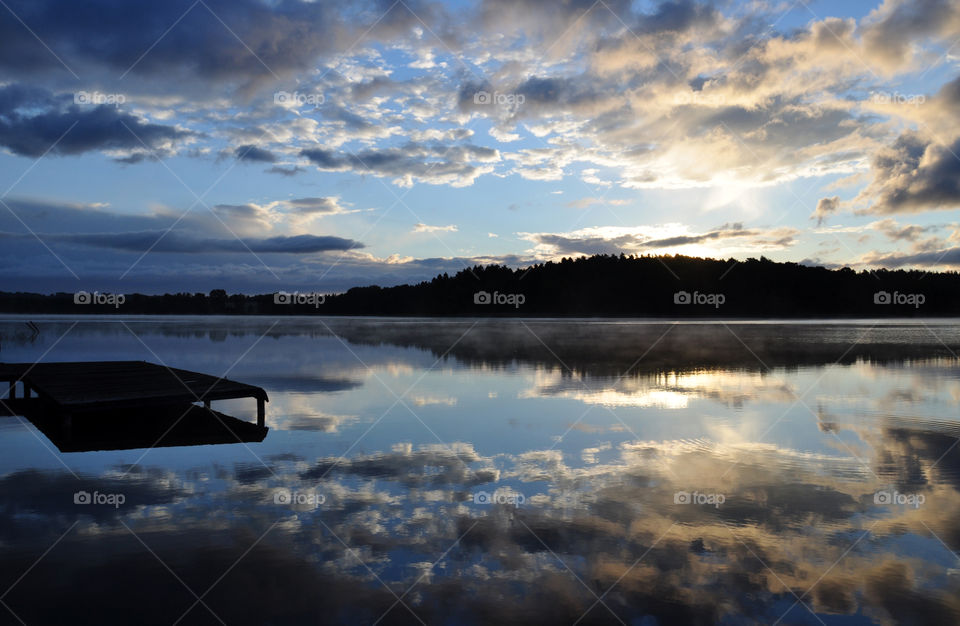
point(91, 386)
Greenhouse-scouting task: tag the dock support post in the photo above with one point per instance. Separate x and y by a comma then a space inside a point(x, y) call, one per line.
point(206, 404)
point(13, 390)
point(261, 412)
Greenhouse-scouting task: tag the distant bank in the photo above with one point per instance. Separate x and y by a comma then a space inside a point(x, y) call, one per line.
point(601, 285)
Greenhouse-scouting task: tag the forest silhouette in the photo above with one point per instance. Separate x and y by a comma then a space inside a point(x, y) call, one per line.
point(600, 285)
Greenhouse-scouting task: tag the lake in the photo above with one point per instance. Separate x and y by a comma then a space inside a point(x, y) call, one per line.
point(504, 471)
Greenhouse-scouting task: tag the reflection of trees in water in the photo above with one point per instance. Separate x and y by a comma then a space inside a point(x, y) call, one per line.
point(609, 349)
point(793, 512)
point(603, 349)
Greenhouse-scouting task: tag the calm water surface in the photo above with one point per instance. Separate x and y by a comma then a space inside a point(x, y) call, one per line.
point(505, 471)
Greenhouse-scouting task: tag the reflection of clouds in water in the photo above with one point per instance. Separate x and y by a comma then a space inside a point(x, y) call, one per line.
point(794, 498)
point(930, 385)
point(401, 509)
point(395, 369)
point(936, 383)
point(855, 399)
point(419, 399)
point(772, 509)
point(666, 390)
point(295, 411)
point(427, 465)
point(589, 455)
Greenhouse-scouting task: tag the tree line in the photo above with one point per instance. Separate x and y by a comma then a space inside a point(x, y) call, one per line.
point(600, 285)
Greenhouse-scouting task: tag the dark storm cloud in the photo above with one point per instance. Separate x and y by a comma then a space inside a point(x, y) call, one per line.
point(254, 154)
point(178, 242)
point(33, 120)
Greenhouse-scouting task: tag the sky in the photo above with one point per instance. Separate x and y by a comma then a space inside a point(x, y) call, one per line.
point(267, 145)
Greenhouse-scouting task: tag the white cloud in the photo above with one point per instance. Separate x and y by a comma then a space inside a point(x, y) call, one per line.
point(426, 228)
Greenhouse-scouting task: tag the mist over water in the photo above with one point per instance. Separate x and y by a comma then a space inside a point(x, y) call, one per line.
point(507, 471)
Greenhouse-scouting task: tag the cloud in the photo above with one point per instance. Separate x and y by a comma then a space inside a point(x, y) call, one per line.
point(316, 205)
point(426, 228)
point(33, 121)
point(255, 219)
point(664, 238)
point(891, 30)
point(200, 253)
point(914, 174)
point(746, 103)
point(428, 466)
point(903, 232)
point(285, 171)
point(178, 242)
point(825, 208)
point(431, 163)
point(218, 40)
point(582, 203)
point(544, 21)
point(663, 96)
point(252, 153)
point(946, 257)
point(245, 218)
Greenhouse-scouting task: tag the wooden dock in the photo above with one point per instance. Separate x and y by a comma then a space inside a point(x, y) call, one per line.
point(163, 427)
point(76, 388)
